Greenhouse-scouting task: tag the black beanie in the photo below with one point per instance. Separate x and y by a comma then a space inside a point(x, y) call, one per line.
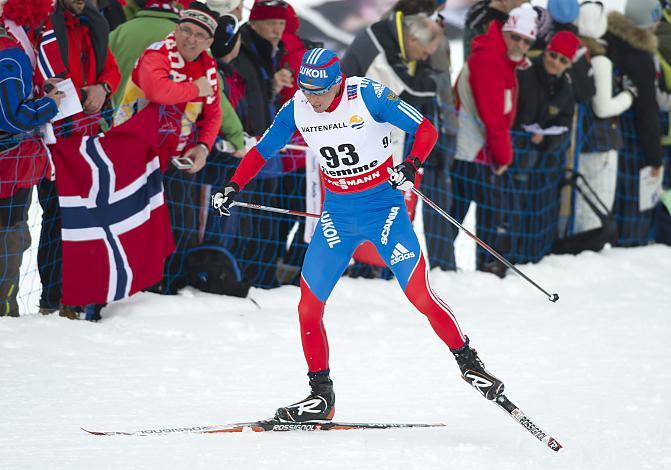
point(199, 14)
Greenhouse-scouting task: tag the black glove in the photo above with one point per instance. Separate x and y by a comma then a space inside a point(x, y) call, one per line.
point(223, 201)
point(403, 175)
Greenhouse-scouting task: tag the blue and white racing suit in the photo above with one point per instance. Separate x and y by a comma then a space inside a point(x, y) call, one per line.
point(353, 142)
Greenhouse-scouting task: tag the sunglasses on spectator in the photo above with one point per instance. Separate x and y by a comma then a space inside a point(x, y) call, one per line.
point(518, 38)
point(559, 57)
point(188, 32)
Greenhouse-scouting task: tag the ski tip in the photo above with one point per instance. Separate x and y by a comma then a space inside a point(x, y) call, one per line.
point(95, 433)
point(554, 444)
point(106, 433)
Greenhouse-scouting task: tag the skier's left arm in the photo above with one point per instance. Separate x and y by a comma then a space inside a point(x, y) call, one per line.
point(385, 106)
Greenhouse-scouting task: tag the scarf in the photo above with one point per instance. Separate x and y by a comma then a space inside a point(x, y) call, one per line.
point(177, 124)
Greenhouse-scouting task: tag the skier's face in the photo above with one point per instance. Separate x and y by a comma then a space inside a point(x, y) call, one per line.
point(320, 103)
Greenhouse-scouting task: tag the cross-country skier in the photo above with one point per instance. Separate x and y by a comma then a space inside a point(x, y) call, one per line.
point(347, 121)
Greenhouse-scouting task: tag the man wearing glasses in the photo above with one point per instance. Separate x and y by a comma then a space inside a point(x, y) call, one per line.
point(178, 71)
point(487, 88)
point(348, 121)
point(487, 92)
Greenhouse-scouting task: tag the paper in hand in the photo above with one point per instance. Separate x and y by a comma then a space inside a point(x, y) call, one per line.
point(649, 189)
point(536, 129)
point(70, 104)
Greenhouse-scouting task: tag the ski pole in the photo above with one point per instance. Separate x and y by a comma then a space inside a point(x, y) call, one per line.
point(434, 206)
point(300, 148)
point(277, 210)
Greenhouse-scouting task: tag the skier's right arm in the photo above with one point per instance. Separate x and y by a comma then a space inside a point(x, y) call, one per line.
point(275, 138)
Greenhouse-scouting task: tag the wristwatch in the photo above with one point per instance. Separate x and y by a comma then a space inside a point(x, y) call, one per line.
point(106, 87)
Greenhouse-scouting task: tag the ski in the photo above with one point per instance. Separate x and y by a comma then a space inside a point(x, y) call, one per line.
point(529, 425)
point(272, 425)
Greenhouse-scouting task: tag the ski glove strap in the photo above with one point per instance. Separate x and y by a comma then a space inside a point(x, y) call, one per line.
point(403, 175)
point(223, 201)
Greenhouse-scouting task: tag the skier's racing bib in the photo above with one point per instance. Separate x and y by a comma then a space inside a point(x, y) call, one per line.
point(353, 148)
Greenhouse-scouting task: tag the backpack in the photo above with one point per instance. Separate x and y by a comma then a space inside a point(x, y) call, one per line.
point(592, 240)
point(212, 268)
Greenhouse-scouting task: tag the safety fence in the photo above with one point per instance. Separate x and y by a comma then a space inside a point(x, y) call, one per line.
point(522, 213)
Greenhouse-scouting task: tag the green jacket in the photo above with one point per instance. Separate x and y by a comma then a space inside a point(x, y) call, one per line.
point(128, 42)
point(664, 35)
point(131, 9)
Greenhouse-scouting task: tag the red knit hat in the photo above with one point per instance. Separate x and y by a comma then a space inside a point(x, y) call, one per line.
point(269, 10)
point(565, 43)
point(292, 21)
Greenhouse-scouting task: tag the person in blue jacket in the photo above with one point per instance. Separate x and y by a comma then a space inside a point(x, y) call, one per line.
point(348, 121)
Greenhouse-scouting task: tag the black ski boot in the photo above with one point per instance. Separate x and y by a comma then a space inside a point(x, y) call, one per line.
point(473, 371)
point(319, 405)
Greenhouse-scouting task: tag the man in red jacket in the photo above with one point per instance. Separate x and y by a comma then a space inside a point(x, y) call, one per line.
point(178, 72)
point(487, 99)
point(180, 75)
point(73, 46)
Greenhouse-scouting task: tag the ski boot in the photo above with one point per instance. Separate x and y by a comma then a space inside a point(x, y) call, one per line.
point(473, 371)
point(319, 405)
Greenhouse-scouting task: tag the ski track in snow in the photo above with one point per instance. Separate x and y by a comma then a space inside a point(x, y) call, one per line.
point(591, 370)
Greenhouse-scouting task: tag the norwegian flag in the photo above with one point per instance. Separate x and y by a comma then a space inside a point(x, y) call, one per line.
point(115, 223)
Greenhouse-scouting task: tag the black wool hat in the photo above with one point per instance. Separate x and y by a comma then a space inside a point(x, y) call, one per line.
point(200, 14)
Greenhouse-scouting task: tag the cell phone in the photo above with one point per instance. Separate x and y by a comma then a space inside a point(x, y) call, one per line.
point(48, 87)
point(182, 163)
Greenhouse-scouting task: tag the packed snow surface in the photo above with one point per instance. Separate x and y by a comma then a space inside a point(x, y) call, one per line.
point(592, 370)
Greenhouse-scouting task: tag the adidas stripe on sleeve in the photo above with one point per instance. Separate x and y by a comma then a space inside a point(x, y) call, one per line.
point(385, 106)
point(279, 133)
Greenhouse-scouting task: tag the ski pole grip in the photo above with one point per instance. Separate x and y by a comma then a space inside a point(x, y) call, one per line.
point(553, 297)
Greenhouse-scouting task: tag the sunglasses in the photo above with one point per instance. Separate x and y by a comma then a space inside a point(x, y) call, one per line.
point(316, 92)
point(518, 38)
point(559, 57)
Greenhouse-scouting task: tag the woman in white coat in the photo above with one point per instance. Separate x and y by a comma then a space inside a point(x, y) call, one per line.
point(598, 159)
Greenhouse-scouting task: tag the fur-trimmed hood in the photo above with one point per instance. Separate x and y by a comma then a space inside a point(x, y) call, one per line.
point(642, 39)
point(595, 46)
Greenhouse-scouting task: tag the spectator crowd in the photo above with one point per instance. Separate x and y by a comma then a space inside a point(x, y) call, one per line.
point(557, 127)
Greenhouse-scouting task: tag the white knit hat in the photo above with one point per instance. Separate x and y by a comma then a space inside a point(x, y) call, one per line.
point(522, 20)
point(593, 20)
point(643, 13)
point(223, 6)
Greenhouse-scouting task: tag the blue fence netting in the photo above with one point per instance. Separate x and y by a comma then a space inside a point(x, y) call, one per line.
point(520, 213)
